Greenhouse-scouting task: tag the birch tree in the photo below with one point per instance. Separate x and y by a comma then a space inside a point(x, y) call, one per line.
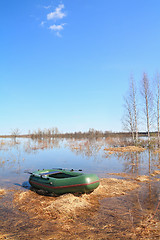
point(133, 99)
point(157, 105)
point(130, 120)
point(148, 103)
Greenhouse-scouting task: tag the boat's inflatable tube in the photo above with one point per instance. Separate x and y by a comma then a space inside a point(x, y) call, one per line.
point(62, 181)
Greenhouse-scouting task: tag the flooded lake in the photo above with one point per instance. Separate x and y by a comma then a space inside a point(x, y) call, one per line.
point(92, 156)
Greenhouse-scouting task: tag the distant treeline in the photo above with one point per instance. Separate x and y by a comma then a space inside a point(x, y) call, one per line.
point(54, 133)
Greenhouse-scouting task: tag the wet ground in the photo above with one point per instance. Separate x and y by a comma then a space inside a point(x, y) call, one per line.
point(117, 213)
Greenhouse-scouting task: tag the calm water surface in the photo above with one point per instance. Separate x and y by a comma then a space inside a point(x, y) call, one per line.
point(18, 155)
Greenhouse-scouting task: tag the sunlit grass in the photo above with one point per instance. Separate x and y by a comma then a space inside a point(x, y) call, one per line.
point(124, 149)
point(2, 191)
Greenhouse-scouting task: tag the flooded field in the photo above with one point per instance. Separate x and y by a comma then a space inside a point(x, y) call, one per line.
point(124, 206)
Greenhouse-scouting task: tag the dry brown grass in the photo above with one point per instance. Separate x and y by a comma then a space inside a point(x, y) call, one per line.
point(68, 204)
point(148, 229)
point(5, 236)
point(156, 172)
point(111, 187)
point(82, 216)
point(70, 213)
point(124, 175)
point(2, 191)
point(111, 150)
point(156, 151)
point(143, 178)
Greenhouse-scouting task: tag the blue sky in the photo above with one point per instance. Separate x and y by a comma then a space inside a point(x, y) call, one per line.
point(68, 63)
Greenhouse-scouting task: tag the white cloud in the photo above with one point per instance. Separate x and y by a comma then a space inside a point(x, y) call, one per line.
point(57, 27)
point(57, 14)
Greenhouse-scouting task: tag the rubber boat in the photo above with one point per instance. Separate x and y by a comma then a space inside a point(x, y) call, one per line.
point(61, 181)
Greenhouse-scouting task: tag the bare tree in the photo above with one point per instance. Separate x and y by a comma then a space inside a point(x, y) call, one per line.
point(133, 99)
point(15, 132)
point(157, 105)
point(56, 131)
point(130, 121)
point(148, 103)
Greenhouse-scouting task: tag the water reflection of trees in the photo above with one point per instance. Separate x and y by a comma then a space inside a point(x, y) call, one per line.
point(85, 147)
point(131, 161)
point(13, 151)
point(137, 163)
point(8, 144)
point(41, 144)
point(134, 163)
point(11, 156)
point(30, 144)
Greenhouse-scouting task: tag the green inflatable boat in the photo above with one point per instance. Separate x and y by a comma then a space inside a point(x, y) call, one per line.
point(60, 181)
